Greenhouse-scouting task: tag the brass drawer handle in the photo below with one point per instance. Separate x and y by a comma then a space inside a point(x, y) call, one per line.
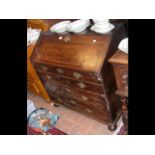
point(125, 79)
point(68, 90)
point(43, 67)
point(73, 102)
point(88, 110)
point(48, 77)
point(124, 76)
point(81, 85)
point(59, 99)
point(77, 75)
point(84, 98)
point(59, 70)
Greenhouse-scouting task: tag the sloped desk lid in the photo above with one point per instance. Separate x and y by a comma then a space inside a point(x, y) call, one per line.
point(85, 51)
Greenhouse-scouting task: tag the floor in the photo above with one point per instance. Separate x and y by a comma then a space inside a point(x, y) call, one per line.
point(71, 122)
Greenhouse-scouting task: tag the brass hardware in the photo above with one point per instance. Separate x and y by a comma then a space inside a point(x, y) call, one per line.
point(77, 75)
point(48, 77)
point(81, 85)
point(84, 98)
point(124, 76)
point(125, 79)
point(73, 102)
point(59, 99)
point(88, 110)
point(44, 68)
point(68, 90)
point(59, 70)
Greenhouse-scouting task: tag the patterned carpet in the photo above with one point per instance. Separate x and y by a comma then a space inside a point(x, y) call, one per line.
point(53, 131)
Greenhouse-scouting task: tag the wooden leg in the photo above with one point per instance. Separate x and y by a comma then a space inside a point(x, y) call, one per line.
point(124, 112)
point(56, 105)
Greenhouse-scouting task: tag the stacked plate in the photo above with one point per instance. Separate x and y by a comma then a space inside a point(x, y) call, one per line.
point(123, 45)
point(102, 26)
point(61, 27)
point(77, 26)
point(32, 35)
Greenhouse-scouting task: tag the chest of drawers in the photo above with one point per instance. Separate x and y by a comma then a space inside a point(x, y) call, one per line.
point(75, 72)
point(120, 65)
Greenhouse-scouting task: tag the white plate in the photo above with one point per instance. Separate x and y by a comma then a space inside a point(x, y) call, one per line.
point(32, 35)
point(103, 31)
point(60, 27)
point(123, 45)
point(100, 21)
point(78, 25)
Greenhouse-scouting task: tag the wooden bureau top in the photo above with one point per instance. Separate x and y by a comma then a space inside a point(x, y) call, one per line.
point(119, 58)
point(86, 51)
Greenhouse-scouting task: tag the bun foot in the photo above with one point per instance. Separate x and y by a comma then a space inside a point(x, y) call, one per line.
point(56, 105)
point(112, 127)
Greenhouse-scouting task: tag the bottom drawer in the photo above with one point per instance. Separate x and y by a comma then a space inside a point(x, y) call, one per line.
point(98, 112)
point(33, 87)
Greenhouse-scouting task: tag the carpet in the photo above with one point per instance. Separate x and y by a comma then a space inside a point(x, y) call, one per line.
point(122, 131)
point(53, 131)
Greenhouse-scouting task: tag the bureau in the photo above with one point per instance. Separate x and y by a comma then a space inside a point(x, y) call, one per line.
point(75, 72)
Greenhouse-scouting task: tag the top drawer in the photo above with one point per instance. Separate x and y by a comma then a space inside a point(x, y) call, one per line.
point(121, 72)
point(67, 72)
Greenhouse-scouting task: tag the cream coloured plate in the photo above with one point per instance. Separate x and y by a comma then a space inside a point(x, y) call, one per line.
point(60, 27)
point(102, 30)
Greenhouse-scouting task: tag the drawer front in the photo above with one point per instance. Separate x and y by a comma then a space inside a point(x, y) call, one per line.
point(70, 73)
point(96, 103)
point(98, 112)
point(124, 77)
point(89, 103)
point(79, 85)
point(121, 72)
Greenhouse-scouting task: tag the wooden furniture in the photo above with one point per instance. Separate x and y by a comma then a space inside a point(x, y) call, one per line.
point(39, 24)
point(75, 72)
point(33, 82)
point(120, 64)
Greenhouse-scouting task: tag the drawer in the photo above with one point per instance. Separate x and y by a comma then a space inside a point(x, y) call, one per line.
point(74, 74)
point(121, 72)
point(78, 106)
point(124, 77)
point(74, 84)
point(81, 99)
